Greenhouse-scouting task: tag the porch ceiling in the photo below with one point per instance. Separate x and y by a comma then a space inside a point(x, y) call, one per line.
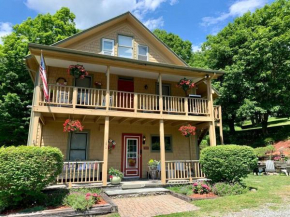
point(113, 70)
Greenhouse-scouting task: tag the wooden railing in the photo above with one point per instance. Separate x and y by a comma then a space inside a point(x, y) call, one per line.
point(80, 172)
point(78, 97)
point(217, 112)
point(183, 169)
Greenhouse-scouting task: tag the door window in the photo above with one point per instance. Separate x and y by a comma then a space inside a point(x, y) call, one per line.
point(78, 146)
point(165, 89)
point(132, 153)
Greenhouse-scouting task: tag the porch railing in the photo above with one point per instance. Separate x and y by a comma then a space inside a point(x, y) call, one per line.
point(80, 172)
point(183, 169)
point(78, 97)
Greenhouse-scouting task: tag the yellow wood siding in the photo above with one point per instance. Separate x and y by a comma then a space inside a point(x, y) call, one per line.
point(54, 136)
point(93, 43)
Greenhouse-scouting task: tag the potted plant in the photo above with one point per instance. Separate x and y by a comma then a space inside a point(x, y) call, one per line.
point(115, 176)
point(78, 71)
point(187, 131)
point(185, 84)
point(132, 162)
point(153, 164)
point(72, 126)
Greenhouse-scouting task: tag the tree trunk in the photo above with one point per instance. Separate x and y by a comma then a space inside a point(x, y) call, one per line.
point(264, 122)
point(253, 121)
point(232, 125)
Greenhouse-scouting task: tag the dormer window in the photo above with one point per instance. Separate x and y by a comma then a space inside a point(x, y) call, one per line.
point(142, 52)
point(125, 48)
point(108, 47)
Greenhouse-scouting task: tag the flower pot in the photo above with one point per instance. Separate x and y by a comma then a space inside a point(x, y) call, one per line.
point(115, 180)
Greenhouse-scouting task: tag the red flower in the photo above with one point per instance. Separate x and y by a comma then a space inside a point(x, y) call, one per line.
point(111, 177)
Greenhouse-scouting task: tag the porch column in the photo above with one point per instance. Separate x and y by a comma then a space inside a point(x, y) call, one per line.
point(162, 152)
point(108, 89)
point(160, 94)
point(35, 122)
point(105, 158)
point(212, 135)
point(221, 125)
point(35, 101)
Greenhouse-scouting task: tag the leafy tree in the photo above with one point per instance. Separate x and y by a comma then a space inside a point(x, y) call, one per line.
point(256, 48)
point(15, 83)
point(182, 48)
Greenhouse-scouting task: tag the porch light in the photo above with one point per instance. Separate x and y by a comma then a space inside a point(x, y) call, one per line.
point(144, 140)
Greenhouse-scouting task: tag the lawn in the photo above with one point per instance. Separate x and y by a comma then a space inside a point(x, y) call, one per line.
point(272, 122)
point(271, 189)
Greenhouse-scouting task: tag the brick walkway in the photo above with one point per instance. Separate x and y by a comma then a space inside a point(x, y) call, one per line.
point(151, 206)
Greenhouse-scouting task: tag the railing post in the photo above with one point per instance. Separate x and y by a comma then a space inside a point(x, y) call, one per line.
point(186, 106)
point(160, 94)
point(108, 89)
point(135, 102)
point(75, 97)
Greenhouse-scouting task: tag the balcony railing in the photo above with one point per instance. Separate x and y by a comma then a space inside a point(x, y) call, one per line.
point(78, 97)
point(80, 172)
point(183, 169)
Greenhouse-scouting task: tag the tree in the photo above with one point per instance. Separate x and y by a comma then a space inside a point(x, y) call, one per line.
point(182, 48)
point(256, 47)
point(16, 86)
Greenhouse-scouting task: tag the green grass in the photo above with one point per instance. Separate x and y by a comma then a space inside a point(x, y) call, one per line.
point(272, 122)
point(271, 189)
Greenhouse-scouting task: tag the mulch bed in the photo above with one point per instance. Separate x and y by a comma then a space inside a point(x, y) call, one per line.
point(203, 196)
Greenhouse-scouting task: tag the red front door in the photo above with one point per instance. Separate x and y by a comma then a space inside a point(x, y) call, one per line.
point(132, 155)
point(125, 99)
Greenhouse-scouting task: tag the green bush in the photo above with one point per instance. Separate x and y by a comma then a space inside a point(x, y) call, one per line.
point(25, 171)
point(262, 151)
point(224, 189)
point(80, 201)
point(228, 163)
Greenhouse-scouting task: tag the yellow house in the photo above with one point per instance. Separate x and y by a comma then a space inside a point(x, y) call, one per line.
point(129, 100)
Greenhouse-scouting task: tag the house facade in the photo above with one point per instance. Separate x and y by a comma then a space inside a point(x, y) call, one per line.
point(128, 103)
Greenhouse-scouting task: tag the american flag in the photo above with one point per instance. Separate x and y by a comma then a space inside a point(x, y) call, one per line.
point(42, 72)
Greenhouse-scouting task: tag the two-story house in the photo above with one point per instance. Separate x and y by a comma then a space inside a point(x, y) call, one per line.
point(128, 100)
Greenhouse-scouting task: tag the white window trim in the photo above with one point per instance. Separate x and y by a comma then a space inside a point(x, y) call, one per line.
point(125, 46)
point(141, 54)
point(108, 40)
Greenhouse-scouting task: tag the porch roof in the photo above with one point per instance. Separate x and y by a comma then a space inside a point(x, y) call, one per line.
point(57, 54)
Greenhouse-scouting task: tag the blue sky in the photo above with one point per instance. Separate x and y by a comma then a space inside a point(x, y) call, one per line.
point(190, 19)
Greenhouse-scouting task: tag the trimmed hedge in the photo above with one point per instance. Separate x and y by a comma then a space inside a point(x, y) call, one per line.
point(25, 171)
point(228, 163)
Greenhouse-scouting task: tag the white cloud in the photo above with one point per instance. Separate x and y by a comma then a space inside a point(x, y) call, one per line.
point(154, 23)
point(5, 29)
point(196, 48)
point(236, 9)
point(91, 12)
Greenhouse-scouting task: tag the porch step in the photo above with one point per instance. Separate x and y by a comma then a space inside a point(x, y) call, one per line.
point(132, 186)
point(135, 191)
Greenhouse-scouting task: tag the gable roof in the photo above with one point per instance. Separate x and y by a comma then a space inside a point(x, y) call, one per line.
point(136, 23)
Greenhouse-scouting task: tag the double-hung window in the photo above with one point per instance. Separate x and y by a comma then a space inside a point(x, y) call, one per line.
point(142, 52)
point(125, 48)
point(108, 47)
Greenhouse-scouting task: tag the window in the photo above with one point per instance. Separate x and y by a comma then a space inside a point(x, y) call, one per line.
point(125, 48)
point(155, 143)
point(165, 89)
point(108, 47)
point(142, 52)
point(78, 146)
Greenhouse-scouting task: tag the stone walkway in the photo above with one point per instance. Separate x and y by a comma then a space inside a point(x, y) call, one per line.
point(151, 206)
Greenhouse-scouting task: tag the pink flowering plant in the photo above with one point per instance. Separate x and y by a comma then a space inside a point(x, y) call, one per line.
point(72, 126)
point(277, 158)
point(78, 71)
point(201, 188)
point(185, 84)
point(187, 130)
point(81, 201)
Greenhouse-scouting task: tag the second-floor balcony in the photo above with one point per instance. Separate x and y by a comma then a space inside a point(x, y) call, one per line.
point(92, 98)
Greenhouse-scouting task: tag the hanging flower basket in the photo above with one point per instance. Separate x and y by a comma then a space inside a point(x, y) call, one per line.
point(188, 130)
point(111, 144)
point(185, 84)
point(78, 71)
point(72, 126)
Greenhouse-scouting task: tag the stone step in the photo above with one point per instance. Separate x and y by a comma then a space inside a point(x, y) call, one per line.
point(135, 191)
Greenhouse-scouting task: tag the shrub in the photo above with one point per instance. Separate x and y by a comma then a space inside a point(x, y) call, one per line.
point(228, 163)
point(262, 151)
point(201, 188)
point(25, 171)
point(224, 189)
point(80, 201)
